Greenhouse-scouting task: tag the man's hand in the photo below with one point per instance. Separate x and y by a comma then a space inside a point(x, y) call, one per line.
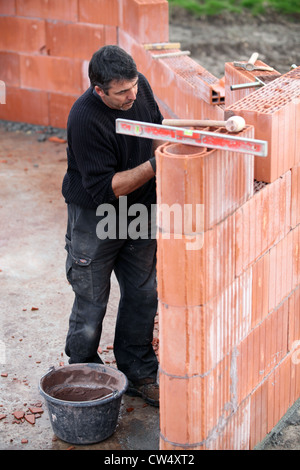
point(124, 182)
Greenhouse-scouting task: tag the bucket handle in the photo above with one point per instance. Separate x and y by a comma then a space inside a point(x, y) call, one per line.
point(109, 395)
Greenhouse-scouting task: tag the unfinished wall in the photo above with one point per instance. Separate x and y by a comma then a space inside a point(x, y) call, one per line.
point(229, 311)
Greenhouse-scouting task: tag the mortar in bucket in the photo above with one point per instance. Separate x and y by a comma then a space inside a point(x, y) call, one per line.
point(83, 401)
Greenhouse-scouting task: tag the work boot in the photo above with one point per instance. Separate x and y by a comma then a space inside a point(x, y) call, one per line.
point(148, 389)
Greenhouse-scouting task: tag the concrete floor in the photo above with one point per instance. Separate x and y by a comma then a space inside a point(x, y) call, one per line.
point(36, 298)
point(36, 301)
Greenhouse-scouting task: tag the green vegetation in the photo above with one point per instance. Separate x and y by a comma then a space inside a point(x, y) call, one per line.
point(215, 7)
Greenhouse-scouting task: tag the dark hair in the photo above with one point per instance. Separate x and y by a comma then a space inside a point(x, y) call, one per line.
point(111, 63)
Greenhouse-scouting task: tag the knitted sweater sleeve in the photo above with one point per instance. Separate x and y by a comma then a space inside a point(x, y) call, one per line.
point(93, 149)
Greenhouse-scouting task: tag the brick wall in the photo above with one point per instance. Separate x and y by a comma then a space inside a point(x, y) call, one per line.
point(229, 310)
point(45, 47)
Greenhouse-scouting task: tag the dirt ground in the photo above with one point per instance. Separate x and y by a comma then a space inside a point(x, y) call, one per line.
point(36, 298)
point(227, 38)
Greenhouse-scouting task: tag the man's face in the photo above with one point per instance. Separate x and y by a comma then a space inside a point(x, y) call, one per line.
point(121, 94)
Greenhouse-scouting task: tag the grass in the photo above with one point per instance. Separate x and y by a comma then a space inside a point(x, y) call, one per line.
point(215, 7)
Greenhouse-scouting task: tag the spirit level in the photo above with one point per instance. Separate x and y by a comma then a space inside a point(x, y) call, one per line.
point(192, 137)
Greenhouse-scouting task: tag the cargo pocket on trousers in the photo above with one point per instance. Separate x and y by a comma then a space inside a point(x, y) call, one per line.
point(79, 274)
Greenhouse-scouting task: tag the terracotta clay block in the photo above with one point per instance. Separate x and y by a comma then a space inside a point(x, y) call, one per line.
point(295, 236)
point(260, 289)
point(236, 434)
point(10, 68)
point(78, 41)
point(261, 351)
point(49, 9)
point(147, 21)
point(194, 268)
point(237, 75)
point(59, 108)
point(281, 271)
point(184, 419)
point(110, 34)
point(201, 83)
point(220, 181)
point(99, 11)
point(294, 324)
point(262, 221)
point(7, 8)
point(22, 34)
point(25, 106)
point(279, 396)
point(274, 111)
point(187, 354)
point(193, 340)
point(258, 415)
point(49, 73)
point(295, 197)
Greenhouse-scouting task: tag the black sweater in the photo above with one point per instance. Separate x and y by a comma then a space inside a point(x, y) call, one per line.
point(95, 152)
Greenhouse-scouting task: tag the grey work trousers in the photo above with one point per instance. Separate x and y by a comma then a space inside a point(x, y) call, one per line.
point(89, 265)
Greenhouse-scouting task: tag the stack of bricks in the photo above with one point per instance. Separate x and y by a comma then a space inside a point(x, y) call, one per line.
point(235, 75)
point(230, 305)
point(275, 112)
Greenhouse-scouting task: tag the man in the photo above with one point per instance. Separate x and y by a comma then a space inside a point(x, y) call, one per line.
point(102, 167)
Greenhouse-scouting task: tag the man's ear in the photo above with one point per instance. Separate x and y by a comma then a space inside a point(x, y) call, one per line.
point(99, 91)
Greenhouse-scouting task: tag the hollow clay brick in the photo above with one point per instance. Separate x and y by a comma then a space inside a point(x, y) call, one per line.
point(281, 270)
point(49, 73)
point(295, 237)
point(147, 21)
point(111, 34)
point(100, 12)
point(25, 106)
point(294, 324)
point(7, 8)
point(258, 415)
point(183, 417)
point(219, 180)
point(262, 350)
point(274, 111)
point(59, 109)
point(262, 221)
point(22, 34)
point(48, 9)
point(10, 68)
point(237, 75)
point(279, 392)
point(208, 333)
point(74, 40)
point(260, 289)
point(205, 260)
point(236, 433)
point(295, 195)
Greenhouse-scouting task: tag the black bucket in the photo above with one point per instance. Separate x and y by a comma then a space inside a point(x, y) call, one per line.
point(83, 401)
